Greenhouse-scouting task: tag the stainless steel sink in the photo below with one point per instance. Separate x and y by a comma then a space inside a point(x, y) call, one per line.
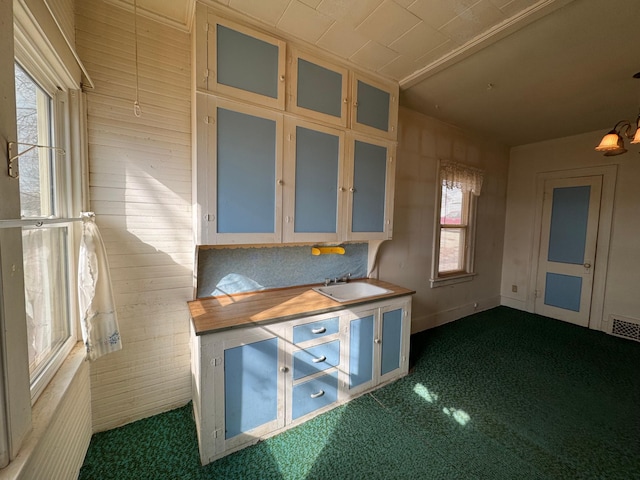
point(346, 292)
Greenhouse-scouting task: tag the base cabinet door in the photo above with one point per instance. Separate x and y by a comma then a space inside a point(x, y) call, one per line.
point(250, 389)
point(378, 346)
point(361, 357)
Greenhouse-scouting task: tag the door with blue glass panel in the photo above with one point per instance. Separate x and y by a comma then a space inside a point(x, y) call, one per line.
point(375, 107)
point(245, 180)
point(244, 63)
point(253, 398)
point(314, 192)
point(370, 183)
point(570, 216)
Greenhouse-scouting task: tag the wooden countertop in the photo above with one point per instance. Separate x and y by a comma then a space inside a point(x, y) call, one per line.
point(212, 314)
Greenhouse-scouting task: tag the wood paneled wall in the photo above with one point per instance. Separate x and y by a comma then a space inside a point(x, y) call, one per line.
point(140, 190)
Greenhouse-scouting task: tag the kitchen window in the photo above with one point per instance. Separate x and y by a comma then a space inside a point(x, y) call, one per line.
point(454, 241)
point(47, 242)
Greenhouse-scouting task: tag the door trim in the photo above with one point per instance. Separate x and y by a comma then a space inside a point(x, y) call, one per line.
point(609, 174)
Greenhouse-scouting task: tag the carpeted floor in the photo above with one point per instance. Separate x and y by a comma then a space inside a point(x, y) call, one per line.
point(498, 395)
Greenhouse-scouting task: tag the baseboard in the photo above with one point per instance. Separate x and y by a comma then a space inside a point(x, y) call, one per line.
point(425, 322)
point(514, 303)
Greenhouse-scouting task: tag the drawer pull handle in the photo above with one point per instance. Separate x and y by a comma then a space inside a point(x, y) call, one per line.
point(317, 395)
point(319, 330)
point(319, 359)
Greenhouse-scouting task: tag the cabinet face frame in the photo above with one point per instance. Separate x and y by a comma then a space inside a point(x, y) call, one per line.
point(212, 83)
point(387, 231)
point(293, 88)
point(207, 167)
point(391, 131)
point(289, 193)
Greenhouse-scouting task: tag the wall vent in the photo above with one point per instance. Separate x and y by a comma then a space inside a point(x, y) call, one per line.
point(625, 327)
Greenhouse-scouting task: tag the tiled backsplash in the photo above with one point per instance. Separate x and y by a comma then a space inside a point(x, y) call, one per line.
point(232, 270)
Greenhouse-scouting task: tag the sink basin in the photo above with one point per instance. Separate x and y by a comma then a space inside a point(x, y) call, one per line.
point(346, 292)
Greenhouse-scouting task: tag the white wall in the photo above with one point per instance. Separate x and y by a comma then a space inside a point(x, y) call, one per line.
point(623, 272)
point(140, 190)
point(407, 258)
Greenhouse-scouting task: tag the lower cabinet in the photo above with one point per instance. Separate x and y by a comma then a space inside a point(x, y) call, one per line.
point(250, 383)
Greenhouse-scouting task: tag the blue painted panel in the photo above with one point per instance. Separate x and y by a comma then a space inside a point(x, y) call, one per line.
point(391, 341)
point(247, 63)
point(313, 330)
point(319, 89)
point(303, 402)
point(373, 106)
point(369, 181)
point(250, 386)
point(569, 217)
point(316, 203)
point(246, 173)
point(303, 360)
point(361, 351)
point(563, 291)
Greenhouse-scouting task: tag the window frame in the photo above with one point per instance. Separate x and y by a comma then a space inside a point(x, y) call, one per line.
point(61, 186)
point(469, 210)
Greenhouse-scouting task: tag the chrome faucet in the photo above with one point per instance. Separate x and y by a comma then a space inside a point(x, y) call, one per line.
point(336, 280)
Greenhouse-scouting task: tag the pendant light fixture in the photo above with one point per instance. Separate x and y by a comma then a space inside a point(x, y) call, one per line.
point(613, 142)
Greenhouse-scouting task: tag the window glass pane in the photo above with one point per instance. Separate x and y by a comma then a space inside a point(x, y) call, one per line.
point(451, 206)
point(451, 249)
point(46, 293)
point(33, 118)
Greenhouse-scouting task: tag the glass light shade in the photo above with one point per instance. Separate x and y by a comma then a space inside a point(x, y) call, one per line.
point(636, 138)
point(610, 142)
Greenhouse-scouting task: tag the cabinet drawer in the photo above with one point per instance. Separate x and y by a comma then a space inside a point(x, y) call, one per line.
point(309, 331)
point(316, 359)
point(314, 394)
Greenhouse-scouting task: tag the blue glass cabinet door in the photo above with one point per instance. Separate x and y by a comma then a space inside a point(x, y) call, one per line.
point(318, 89)
point(245, 64)
point(361, 351)
point(244, 175)
point(370, 184)
point(375, 107)
point(313, 189)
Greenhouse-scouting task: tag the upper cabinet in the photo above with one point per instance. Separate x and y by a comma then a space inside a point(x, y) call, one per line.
point(239, 172)
point(371, 179)
point(375, 107)
point(289, 147)
point(318, 89)
point(314, 185)
point(241, 62)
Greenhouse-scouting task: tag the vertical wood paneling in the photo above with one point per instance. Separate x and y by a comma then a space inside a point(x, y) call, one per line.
point(140, 187)
point(61, 449)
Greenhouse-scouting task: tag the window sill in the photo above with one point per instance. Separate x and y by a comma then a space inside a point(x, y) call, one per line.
point(451, 280)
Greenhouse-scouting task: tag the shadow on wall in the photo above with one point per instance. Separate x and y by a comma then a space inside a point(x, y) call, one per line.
point(223, 271)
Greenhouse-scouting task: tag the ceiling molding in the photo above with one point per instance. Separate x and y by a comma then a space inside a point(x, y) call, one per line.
point(487, 38)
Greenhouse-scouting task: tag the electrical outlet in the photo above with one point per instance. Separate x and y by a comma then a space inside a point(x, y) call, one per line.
point(514, 288)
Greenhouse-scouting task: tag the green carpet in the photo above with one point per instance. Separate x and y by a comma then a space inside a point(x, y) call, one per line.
point(502, 394)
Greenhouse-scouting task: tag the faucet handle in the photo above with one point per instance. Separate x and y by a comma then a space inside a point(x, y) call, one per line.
point(327, 281)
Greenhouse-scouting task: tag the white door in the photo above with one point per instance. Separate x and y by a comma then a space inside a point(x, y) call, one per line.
point(570, 215)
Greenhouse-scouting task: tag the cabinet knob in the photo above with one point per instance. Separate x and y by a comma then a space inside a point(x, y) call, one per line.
point(284, 369)
point(342, 189)
point(352, 189)
point(282, 78)
point(377, 341)
point(280, 182)
point(346, 100)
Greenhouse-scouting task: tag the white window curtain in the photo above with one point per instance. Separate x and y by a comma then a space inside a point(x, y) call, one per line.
point(457, 175)
point(98, 318)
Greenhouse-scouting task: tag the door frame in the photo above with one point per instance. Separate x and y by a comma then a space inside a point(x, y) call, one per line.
point(609, 174)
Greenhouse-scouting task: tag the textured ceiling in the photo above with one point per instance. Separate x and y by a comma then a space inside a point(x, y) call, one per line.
point(519, 71)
